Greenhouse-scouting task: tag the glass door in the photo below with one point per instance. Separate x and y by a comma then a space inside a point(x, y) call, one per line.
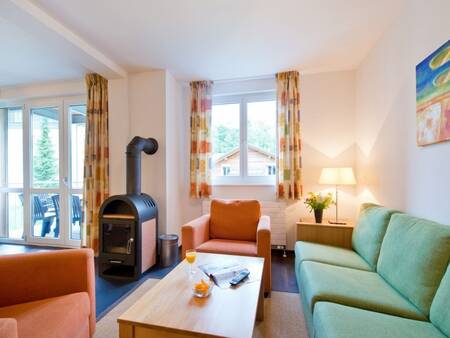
point(53, 201)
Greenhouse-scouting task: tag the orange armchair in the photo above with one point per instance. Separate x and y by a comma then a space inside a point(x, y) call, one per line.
point(48, 294)
point(234, 228)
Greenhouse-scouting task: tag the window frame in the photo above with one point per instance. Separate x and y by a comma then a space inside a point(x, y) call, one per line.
point(243, 178)
point(4, 186)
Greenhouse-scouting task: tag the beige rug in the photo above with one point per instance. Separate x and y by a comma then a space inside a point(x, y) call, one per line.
point(282, 318)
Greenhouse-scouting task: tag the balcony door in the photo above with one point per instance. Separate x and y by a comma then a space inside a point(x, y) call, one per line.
point(41, 194)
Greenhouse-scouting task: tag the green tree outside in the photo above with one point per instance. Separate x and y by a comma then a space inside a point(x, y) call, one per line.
point(226, 139)
point(263, 136)
point(44, 163)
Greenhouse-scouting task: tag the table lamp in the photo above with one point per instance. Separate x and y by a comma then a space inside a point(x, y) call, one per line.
point(336, 177)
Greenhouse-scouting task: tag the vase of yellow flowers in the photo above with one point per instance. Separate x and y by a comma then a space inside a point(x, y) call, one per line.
point(318, 203)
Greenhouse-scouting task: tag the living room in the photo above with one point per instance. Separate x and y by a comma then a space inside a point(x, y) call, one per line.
point(153, 151)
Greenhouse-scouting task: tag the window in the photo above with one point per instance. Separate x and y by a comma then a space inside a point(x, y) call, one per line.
point(243, 132)
point(41, 171)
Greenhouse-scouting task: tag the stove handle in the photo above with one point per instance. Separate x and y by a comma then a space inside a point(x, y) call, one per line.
point(130, 241)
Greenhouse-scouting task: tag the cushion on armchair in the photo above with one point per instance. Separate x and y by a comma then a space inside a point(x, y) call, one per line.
point(63, 316)
point(235, 220)
point(229, 247)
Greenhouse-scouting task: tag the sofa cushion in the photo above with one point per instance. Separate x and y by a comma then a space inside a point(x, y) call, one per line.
point(369, 232)
point(339, 321)
point(237, 220)
point(413, 258)
point(306, 251)
point(230, 247)
point(440, 308)
point(61, 316)
point(357, 288)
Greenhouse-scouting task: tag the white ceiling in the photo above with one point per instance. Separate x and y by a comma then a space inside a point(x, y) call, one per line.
point(207, 39)
point(25, 59)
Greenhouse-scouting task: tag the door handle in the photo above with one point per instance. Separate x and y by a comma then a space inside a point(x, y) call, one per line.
point(114, 261)
point(130, 241)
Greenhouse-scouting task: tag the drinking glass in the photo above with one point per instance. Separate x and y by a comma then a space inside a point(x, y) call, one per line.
point(190, 258)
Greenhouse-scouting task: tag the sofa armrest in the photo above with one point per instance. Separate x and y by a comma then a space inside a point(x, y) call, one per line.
point(194, 233)
point(264, 249)
point(8, 328)
point(35, 276)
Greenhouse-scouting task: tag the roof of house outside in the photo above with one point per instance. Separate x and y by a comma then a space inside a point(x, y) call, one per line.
point(237, 149)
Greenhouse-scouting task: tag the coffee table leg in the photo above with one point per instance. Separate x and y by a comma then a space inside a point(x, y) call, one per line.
point(260, 309)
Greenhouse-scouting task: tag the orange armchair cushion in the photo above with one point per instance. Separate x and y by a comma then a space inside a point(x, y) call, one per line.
point(64, 316)
point(235, 220)
point(229, 247)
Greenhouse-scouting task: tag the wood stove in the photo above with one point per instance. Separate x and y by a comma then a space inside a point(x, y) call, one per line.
point(129, 223)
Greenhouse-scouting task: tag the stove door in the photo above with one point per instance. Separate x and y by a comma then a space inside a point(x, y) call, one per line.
point(118, 237)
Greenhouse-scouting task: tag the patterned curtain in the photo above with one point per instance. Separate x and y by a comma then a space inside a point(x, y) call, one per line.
point(289, 175)
point(200, 169)
point(96, 159)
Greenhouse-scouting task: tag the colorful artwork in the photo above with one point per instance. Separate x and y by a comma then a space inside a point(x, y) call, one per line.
point(433, 97)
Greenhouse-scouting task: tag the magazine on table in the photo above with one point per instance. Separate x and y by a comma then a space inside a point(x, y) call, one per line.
point(223, 274)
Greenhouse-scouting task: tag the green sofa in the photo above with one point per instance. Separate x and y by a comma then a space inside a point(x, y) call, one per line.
point(394, 283)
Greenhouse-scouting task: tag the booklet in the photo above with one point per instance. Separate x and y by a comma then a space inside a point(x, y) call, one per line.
point(221, 274)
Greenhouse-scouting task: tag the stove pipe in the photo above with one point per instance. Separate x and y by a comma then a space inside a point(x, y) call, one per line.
point(134, 149)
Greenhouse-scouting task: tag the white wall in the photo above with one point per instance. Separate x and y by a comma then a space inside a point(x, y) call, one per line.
point(328, 140)
point(174, 148)
point(393, 170)
point(146, 98)
point(155, 103)
point(43, 90)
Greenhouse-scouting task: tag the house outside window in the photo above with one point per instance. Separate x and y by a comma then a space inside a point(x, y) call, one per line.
point(243, 131)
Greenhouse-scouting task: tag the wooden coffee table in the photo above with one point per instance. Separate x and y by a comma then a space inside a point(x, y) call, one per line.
point(170, 310)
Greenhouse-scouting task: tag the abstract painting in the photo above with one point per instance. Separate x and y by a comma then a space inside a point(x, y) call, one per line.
point(433, 97)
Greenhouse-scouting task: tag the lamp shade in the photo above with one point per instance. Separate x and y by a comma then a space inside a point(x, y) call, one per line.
point(337, 176)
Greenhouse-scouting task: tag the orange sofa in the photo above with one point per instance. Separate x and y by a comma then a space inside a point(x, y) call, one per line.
point(47, 294)
point(234, 228)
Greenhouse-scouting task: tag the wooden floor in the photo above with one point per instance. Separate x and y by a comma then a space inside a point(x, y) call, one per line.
point(283, 273)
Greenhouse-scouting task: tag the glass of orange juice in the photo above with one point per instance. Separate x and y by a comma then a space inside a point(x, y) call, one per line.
point(191, 254)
